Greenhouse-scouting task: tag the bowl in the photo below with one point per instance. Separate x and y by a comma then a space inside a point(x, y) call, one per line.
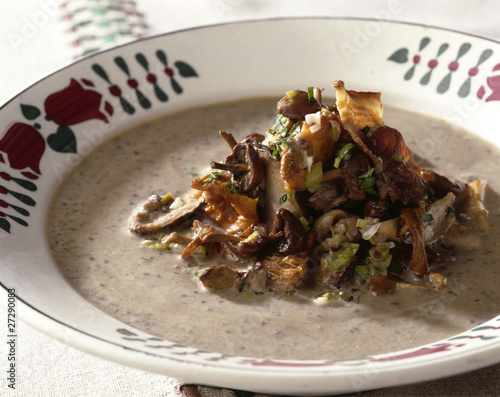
point(50, 127)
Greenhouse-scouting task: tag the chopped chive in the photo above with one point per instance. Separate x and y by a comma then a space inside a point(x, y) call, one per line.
point(398, 157)
point(251, 237)
point(335, 133)
point(213, 176)
point(234, 189)
point(159, 246)
point(344, 154)
point(283, 198)
point(166, 199)
point(310, 94)
point(305, 224)
point(315, 175)
point(365, 130)
point(291, 94)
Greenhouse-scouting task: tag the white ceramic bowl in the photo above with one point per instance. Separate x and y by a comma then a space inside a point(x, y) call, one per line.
point(48, 128)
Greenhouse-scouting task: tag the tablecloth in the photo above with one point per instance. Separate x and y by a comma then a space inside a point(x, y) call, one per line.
point(37, 37)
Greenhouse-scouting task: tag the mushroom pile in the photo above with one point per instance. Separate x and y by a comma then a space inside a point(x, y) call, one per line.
point(328, 198)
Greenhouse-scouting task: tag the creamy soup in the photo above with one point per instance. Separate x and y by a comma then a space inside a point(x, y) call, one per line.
point(156, 292)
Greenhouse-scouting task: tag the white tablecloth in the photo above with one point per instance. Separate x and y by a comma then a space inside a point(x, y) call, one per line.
point(36, 39)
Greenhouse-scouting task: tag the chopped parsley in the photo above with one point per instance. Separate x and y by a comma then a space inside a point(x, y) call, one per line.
point(279, 127)
point(212, 177)
point(234, 189)
point(367, 181)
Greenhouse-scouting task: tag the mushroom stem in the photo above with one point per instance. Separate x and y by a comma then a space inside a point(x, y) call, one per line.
point(229, 138)
point(239, 167)
point(331, 175)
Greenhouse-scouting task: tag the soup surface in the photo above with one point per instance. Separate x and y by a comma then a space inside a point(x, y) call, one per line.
point(156, 292)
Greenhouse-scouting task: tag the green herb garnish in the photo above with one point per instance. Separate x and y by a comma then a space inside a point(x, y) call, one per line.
point(398, 157)
point(234, 189)
point(344, 154)
point(367, 182)
point(167, 199)
point(279, 127)
point(310, 94)
point(212, 177)
point(426, 218)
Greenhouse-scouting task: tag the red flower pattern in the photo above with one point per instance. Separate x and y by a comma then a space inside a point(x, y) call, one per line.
point(76, 104)
point(23, 146)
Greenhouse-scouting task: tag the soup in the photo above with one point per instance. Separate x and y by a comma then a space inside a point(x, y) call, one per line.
point(158, 293)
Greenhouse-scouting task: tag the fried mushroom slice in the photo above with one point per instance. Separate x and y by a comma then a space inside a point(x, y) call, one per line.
point(358, 109)
point(233, 212)
point(255, 278)
point(225, 277)
point(387, 284)
point(285, 273)
point(471, 208)
point(153, 216)
point(439, 226)
point(220, 277)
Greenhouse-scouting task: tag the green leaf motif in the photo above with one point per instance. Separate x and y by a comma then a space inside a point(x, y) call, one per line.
point(26, 184)
point(185, 70)
point(23, 198)
point(122, 65)
point(22, 211)
point(5, 225)
point(101, 72)
point(18, 220)
point(160, 94)
point(409, 73)
point(126, 332)
point(127, 107)
point(444, 84)
point(162, 57)
point(30, 112)
point(400, 56)
point(423, 43)
point(175, 85)
point(142, 60)
point(63, 141)
point(145, 102)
